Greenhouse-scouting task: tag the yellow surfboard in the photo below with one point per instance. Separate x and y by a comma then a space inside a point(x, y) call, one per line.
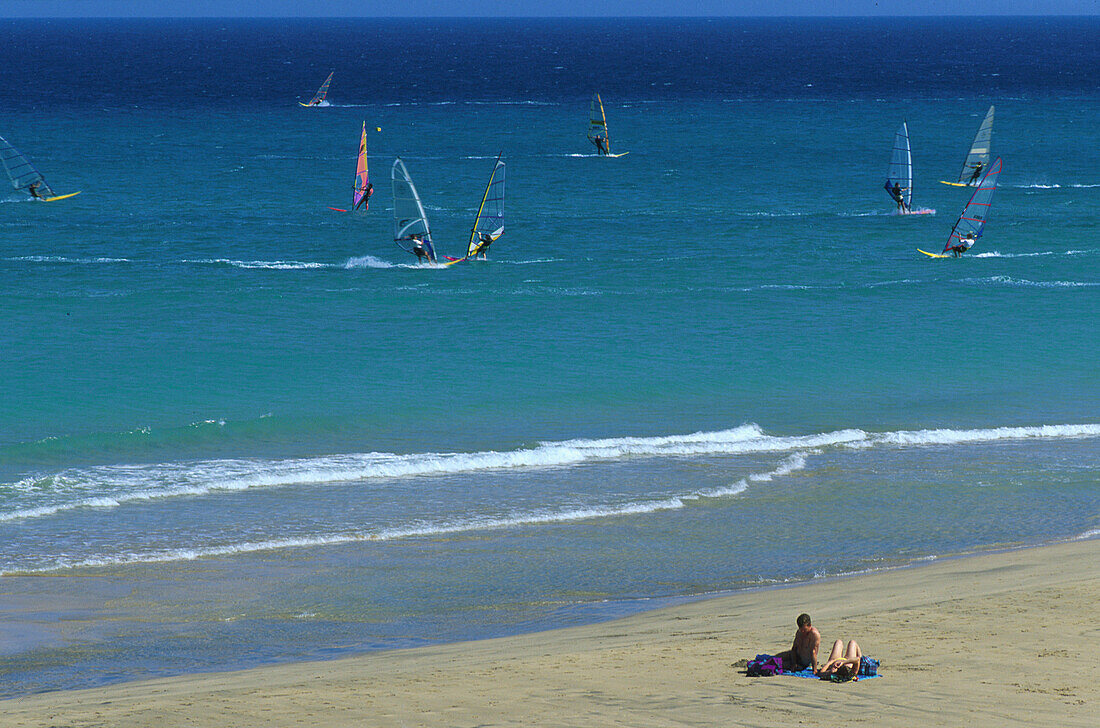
point(933, 255)
point(953, 184)
point(60, 197)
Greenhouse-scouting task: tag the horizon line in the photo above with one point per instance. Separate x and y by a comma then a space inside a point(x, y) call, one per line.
point(540, 17)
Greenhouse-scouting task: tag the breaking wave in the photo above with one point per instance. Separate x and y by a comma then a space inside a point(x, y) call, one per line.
point(110, 486)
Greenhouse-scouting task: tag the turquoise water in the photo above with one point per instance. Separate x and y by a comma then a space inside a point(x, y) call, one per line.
point(239, 427)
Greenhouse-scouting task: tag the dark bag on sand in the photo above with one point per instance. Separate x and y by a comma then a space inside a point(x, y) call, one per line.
point(765, 666)
point(868, 666)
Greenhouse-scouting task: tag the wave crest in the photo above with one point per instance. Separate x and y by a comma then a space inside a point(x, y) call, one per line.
point(111, 486)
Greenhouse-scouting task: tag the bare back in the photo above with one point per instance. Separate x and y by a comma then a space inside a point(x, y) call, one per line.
point(805, 646)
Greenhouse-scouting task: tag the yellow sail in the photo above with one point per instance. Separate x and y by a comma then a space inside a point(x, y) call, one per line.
point(489, 223)
point(597, 124)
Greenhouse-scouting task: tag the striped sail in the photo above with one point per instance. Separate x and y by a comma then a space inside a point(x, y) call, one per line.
point(321, 92)
point(409, 221)
point(489, 222)
point(971, 222)
point(597, 122)
point(900, 172)
point(979, 150)
point(362, 177)
point(21, 172)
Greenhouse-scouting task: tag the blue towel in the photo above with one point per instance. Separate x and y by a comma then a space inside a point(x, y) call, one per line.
point(808, 672)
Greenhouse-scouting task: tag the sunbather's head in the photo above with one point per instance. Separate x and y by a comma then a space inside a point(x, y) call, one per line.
point(803, 621)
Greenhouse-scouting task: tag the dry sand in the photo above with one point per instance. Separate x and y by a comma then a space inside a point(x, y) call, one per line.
point(996, 639)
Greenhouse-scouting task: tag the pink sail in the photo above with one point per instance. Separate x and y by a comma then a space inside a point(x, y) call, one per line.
point(363, 188)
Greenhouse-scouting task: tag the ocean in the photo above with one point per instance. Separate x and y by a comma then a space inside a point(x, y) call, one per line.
point(239, 428)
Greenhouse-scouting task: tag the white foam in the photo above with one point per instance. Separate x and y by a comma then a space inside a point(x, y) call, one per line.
point(367, 261)
point(115, 485)
point(1023, 282)
point(902, 281)
point(510, 103)
point(418, 530)
point(958, 437)
point(64, 259)
point(995, 254)
point(264, 264)
point(1052, 186)
point(534, 261)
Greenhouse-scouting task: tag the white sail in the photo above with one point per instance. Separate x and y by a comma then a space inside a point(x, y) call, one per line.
point(977, 160)
point(410, 223)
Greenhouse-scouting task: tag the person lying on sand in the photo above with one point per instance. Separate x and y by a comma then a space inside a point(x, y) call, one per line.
point(803, 652)
point(843, 665)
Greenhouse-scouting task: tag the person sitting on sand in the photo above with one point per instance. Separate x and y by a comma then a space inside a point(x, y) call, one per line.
point(803, 652)
point(842, 665)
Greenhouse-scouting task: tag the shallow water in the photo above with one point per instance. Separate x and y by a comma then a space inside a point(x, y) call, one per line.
point(240, 428)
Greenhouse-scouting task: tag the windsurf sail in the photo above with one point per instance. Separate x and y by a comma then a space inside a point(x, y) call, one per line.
point(410, 224)
point(978, 157)
point(899, 177)
point(22, 173)
point(321, 92)
point(968, 228)
point(363, 187)
point(597, 124)
point(489, 223)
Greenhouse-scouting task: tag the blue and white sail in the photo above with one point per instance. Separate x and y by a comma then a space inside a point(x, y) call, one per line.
point(899, 176)
point(21, 172)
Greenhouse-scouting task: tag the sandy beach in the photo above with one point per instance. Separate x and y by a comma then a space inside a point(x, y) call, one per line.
point(1005, 636)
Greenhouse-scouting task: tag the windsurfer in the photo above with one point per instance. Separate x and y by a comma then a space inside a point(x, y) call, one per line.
point(364, 201)
point(895, 192)
point(485, 240)
point(963, 245)
point(33, 189)
point(977, 173)
point(420, 251)
point(601, 145)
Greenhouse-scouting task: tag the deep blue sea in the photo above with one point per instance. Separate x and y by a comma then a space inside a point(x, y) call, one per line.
point(239, 428)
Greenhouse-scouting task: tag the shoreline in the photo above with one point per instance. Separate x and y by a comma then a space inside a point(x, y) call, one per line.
point(1003, 634)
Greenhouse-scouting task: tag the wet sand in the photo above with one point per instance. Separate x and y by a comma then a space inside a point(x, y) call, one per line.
point(1008, 637)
